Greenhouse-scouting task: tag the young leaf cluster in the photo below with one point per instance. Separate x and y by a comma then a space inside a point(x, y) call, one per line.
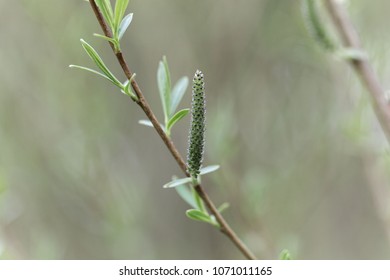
point(116, 20)
point(170, 97)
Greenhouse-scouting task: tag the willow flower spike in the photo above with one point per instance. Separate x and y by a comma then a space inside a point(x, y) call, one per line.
point(197, 130)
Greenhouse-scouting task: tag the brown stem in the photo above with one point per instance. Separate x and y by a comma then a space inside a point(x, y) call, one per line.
point(224, 226)
point(361, 65)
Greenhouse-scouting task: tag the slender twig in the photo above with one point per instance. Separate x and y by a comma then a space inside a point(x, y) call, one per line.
point(380, 105)
point(361, 65)
point(224, 226)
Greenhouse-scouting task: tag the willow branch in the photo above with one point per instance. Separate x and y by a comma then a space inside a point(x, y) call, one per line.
point(361, 65)
point(224, 226)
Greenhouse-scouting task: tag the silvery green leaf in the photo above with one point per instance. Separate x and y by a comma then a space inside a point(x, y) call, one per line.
point(106, 9)
point(164, 86)
point(124, 25)
point(208, 169)
point(198, 201)
point(149, 123)
point(214, 221)
point(99, 63)
point(178, 92)
point(186, 194)
point(95, 72)
point(177, 117)
point(145, 122)
point(198, 215)
point(127, 89)
point(89, 70)
point(120, 9)
point(104, 37)
point(177, 182)
point(111, 40)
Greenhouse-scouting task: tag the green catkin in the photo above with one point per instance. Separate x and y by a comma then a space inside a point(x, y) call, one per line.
point(198, 123)
point(315, 25)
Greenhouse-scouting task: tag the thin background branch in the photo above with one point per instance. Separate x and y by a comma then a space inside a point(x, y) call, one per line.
point(361, 66)
point(379, 103)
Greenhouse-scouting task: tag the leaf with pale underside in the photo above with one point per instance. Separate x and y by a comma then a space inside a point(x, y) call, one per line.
point(177, 94)
point(124, 25)
point(177, 182)
point(164, 86)
point(185, 193)
point(209, 169)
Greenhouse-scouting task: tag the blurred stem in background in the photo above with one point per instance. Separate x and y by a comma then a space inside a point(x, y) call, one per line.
point(352, 51)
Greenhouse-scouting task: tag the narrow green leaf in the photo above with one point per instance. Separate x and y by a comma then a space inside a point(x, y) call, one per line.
point(105, 8)
point(214, 221)
point(120, 9)
point(198, 201)
point(186, 194)
point(107, 4)
point(177, 182)
point(177, 117)
point(104, 37)
point(115, 42)
point(92, 53)
point(164, 86)
point(145, 122)
point(208, 169)
point(149, 123)
point(197, 215)
point(178, 92)
point(285, 255)
point(99, 63)
point(127, 89)
point(89, 70)
point(223, 207)
point(124, 25)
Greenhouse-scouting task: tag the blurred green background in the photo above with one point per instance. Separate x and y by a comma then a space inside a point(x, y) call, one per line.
point(305, 165)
